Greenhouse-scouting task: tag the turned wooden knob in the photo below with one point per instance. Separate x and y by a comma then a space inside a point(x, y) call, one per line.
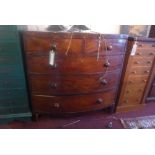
point(53, 46)
point(147, 71)
point(56, 105)
point(149, 62)
point(140, 45)
point(144, 80)
point(107, 64)
point(137, 62)
point(134, 72)
point(53, 85)
point(138, 53)
point(104, 82)
point(99, 100)
point(151, 53)
point(109, 47)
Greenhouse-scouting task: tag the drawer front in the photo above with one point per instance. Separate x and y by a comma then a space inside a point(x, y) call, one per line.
point(112, 46)
point(73, 65)
point(43, 43)
point(139, 71)
point(70, 104)
point(132, 80)
point(61, 85)
point(6, 83)
point(142, 61)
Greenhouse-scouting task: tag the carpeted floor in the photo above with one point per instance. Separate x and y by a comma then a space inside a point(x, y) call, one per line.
point(91, 120)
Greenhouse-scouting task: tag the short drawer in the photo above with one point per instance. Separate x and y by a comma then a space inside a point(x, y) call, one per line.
point(71, 104)
point(140, 70)
point(74, 65)
point(142, 61)
point(72, 84)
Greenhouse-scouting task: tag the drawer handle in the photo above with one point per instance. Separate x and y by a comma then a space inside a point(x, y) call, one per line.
point(130, 81)
point(128, 91)
point(53, 85)
point(151, 53)
point(56, 105)
point(149, 62)
point(147, 71)
point(53, 46)
point(144, 81)
point(109, 48)
point(134, 72)
point(99, 100)
point(140, 45)
point(137, 62)
point(54, 66)
point(107, 64)
point(104, 81)
point(139, 53)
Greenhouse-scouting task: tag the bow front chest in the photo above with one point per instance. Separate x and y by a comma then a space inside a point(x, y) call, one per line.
point(73, 72)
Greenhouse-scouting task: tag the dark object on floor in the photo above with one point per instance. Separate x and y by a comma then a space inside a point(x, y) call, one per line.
point(79, 28)
point(56, 28)
point(146, 122)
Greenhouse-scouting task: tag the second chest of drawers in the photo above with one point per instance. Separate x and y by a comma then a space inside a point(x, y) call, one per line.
point(138, 73)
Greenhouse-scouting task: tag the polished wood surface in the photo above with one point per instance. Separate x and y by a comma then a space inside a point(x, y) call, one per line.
point(72, 104)
point(73, 84)
point(85, 75)
point(73, 65)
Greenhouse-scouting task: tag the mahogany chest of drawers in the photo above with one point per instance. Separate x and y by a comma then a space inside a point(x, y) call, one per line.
point(138, 75)
point(84, 76)
point(13, 92)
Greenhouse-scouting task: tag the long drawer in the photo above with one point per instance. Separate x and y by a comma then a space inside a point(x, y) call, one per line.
point(83, 45)
point(71, 104)
point(73, 84)
point(73, 65)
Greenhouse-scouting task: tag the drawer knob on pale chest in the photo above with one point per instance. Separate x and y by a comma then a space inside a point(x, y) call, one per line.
point(56, 105)
point(99, 100)
point(109, 48)
point(107, 64)
point(104, 82)
point(53, 85)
